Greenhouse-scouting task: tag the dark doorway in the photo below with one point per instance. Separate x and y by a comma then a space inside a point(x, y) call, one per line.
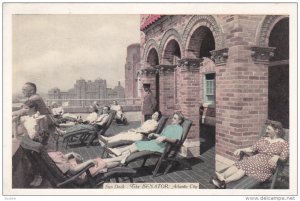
point(278, 107)
point(153, 61)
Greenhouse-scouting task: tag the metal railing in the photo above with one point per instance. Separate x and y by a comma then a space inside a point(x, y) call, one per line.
point(101, 102)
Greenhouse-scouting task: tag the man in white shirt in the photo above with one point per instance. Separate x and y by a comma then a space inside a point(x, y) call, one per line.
point(134, 134)
point(92, 126)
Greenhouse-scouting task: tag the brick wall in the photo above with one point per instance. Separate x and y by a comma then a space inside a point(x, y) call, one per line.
point(241, 88)
point(189, 99)
point(167, 99)
point(241, 83)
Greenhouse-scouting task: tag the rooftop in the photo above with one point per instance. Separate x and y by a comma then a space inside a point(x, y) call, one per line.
point(203, 167)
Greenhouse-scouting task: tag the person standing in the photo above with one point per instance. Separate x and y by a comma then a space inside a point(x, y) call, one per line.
point(149, 103)
point(29, 90)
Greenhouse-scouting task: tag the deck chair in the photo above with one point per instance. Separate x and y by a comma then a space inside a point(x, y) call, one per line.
point(161, 124)
point(250, 182)
point(38, 155)
point(87, 137)
point(169, 154)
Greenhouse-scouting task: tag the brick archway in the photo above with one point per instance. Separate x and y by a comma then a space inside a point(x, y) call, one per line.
point(152, 57)
point(171, 49)
point(264, 31)
point(206, 21)
point(150, 45)
point(171, 34)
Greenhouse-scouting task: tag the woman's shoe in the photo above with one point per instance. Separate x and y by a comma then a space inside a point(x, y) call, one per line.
point(219, 184)
point(223, 184)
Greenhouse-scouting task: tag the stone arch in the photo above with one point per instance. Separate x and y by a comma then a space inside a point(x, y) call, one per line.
point(169, 35)
point(152, 57)
point(203, 20)
point(264, 30)
point(151, 44)
point(170, 52)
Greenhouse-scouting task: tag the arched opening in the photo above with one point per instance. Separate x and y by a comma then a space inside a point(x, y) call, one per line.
point(171, 53)
point(152, 59)
point(278, 107)
point(201, 43)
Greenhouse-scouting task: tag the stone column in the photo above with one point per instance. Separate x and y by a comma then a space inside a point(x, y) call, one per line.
point(188, 102)
point(241, 96)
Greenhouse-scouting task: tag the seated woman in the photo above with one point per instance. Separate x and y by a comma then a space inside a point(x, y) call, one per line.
point(134, 134)
point(269, 150)
point(93, 122)
point(170, 134)
point(120, 117)
point(72, 163)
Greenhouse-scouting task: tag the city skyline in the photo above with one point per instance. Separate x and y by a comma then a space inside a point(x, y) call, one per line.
point(55, 50)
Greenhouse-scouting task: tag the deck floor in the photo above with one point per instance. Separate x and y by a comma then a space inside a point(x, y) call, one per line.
point(203, 167)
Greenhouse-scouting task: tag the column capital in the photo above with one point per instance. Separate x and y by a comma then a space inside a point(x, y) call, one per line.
point(147, 72)
point(166, 69)
point(190, 64)
point(261, 54)
point(220, 56)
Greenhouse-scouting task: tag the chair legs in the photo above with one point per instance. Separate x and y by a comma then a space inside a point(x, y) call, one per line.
point(274, 179)
point(157, 166)
point(144, 162)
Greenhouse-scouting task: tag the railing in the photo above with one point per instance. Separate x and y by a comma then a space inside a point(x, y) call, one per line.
point(101, 102)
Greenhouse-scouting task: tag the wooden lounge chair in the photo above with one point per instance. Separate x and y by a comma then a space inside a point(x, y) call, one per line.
point(38, 155)
point(87, 137)
point(250, 182)
point(161, 124)
point(169, 154)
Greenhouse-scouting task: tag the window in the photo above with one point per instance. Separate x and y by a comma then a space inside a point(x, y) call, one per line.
point(209, 88)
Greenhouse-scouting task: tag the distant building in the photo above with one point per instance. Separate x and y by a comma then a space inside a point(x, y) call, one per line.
point(117, 92)
point(86, 90)
point(132, 66)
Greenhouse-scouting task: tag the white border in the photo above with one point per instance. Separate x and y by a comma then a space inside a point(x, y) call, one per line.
point(145, 8)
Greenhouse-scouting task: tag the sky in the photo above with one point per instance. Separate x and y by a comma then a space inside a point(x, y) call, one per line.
point(56, 50)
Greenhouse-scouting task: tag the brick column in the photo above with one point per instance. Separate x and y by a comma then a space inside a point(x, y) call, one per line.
point(188, 102)
point(167, 89)
point(241, 96)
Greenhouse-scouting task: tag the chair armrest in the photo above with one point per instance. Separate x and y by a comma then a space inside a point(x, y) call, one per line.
point(85, 169)
point(171, 147)
point(119, 143)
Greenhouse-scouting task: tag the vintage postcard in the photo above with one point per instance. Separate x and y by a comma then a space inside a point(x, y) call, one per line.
point(150, 99)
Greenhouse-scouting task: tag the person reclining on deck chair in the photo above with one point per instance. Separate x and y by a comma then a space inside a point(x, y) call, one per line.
point(68, 120)
point(72, 163)
point(269, 150)
point(170, 134)
point(61, 117)
point(120, 116)
point(134, 134)
point(94, 123)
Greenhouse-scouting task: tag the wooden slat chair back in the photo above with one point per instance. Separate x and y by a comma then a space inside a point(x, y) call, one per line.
point(87, 137)
point(169, 154)
point(250, 182)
